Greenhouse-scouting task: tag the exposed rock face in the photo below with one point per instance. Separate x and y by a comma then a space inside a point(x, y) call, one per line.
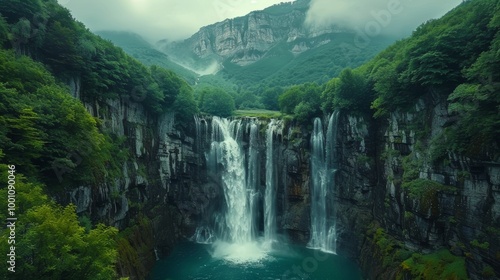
point(356, 183)
point(247, 39)
point(160, 191)
point(455, 206)
point(166, 180)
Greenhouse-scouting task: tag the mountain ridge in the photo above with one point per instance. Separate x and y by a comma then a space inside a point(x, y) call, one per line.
point(270, 40)
point(135, 45)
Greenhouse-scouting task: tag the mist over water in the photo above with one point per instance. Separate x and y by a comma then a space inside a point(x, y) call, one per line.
point(191, 261)
point(233, 247)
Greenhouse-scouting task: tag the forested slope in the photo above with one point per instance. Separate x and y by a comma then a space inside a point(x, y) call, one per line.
point(51, 143)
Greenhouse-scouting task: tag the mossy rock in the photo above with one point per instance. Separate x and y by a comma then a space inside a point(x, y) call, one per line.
point(438, 265)
point(426, 193)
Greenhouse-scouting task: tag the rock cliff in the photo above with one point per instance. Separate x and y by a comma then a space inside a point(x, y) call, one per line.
point(415, 196)
point(245, 40)
point(159, 194)
point(397, 192)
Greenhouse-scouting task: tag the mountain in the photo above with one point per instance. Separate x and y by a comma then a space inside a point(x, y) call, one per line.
point(274, 46)
point(136, 46)
point(96, 137)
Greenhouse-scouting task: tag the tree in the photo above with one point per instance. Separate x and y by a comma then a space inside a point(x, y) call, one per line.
point(55, 246)
point(216, 102)
point(291, 98)
point(328, 95)
point(44, 129)
point(270, 98)
point(13, 10)
point(50, 242)
point(4, 32)
point(185, 105)
point(168, 83)
point(304, 101)
point(304, 112)
point(352, 92)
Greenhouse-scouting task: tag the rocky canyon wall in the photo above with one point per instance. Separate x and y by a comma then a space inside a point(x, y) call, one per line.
point(396, 192)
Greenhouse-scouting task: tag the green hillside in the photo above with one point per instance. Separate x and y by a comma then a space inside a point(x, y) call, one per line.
point(50, 144)
point(281, 67)
point(136, 46)
point(454, 59)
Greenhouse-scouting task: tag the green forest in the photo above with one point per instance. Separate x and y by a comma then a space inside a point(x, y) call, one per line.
point(454, 59)
point(49, 134)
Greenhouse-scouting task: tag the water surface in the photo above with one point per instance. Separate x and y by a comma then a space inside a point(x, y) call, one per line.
point(253, 261)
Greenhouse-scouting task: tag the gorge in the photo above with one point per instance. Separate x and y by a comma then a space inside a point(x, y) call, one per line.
point(378, 221)
point(390, 170)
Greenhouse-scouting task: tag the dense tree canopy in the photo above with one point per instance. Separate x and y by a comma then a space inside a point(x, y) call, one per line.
point(49, 134)
point(454, 58)
point(47, 31)
point(50, 242)
point(349, 91)
point(216, 102)
point(56, 144)
point(301, 100)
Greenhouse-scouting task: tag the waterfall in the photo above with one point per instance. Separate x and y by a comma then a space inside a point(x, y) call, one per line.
point(271, 185)
point(253, 174)
point(331, 162)
point(234, 162)
point(323, 168)
point(226, 152)
point(199, 135)
point(156, 254)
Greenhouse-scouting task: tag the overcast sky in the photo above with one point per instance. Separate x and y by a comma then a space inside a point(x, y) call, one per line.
point(398, 17)
point(159, 19)
point(178, 19)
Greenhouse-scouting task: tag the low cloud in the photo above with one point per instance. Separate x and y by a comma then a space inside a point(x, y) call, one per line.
point(389, 17)
point(159, 19)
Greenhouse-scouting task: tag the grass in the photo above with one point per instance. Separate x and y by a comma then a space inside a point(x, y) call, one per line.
point(258, 113)
point(439, 265)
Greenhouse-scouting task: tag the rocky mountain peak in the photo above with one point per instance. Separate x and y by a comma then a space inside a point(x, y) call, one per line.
point(245, 40)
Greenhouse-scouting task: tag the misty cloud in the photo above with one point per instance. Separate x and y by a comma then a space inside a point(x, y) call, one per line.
point(389, 17)
point(158, 19)
point(175, 19)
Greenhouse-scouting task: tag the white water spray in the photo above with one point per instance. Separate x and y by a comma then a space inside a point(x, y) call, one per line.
point(323, 168)
point(271, 185)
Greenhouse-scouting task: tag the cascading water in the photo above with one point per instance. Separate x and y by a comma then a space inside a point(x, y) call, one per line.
point(239, 176)
point(238, 216)
point(236, 251)
point(253, 174)
point(271, 185)
point(234, 162)
point(323, 168)
point(331, 162)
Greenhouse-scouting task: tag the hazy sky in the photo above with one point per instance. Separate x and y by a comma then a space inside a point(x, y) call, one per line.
point(384, 16)
point(158, 19)
point(178, 19)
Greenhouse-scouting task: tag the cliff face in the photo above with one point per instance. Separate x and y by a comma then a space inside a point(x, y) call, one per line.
point(247, 39)
point(159, 195)
point(395, 192)
point(421, 200)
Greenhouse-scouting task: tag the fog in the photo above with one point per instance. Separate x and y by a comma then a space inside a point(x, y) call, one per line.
point(388, 17)
point(159, 19)
point(175, 19)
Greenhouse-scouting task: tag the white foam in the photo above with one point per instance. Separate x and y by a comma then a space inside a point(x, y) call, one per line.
point(239, 253)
